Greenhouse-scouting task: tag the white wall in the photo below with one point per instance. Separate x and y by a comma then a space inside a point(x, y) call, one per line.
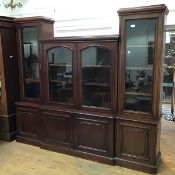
point(3, 10)
point(80, 17)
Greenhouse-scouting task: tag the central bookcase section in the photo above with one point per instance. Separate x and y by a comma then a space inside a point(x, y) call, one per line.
point(94, 97)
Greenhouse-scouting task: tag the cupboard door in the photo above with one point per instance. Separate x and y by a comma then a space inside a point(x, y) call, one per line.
point(96, 79)
point(30, 62)
point(93, 134)
point(135, 141)
point(56, 129)
point(27, 123)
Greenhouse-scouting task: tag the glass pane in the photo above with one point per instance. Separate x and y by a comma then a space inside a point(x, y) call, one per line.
point(29, 44)
point(96, 77)
point(139, 64)
point(60, 75)
point(168, 66)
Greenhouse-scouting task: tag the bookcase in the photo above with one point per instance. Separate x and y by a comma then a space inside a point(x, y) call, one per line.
point(94, 97)
point(140, 92)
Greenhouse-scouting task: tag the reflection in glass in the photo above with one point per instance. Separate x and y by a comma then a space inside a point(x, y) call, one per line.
point(60, 75)
point(168, 66)
point(139, 64)
point(96, 77)
point(29, 44)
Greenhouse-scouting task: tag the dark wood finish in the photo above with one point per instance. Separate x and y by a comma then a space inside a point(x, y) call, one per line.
point(144, 10)
point(111, 46)
point(70, 128)
point(77, 153)
point(128, 14)
point(135, 140)
point(134, 148)
point(28, 123)
point(9, 79)
point(56, 129)
point(45, 30)
point(46, 47)
point(138, 133)
point(8, 128)
point(76, 45)
point(93, 134)
point(108, 134)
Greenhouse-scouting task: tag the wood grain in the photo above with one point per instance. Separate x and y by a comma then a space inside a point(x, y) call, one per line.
point(19, 159)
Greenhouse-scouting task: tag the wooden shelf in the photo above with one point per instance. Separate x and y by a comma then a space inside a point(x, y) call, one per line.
point(141, 45)
point(138, 93)
point(139, 68)
point(65, 89)
point(58, 81)
point(32, 44)
point(30, 80)
point(59, 65)
point(95, 84)
point(168, 85)
point(169, 57)
point(96, 66)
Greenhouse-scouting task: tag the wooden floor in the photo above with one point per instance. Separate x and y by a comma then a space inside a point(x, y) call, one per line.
point(22, 159)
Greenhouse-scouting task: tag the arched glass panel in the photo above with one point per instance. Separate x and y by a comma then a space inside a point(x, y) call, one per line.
point(60, 75)
point(96, 77)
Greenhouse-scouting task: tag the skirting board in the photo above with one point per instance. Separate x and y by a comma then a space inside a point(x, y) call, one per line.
point(8, 127)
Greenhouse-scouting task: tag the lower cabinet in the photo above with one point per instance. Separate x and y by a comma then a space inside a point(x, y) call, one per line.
point(85, 135)
point(135, 145)
point(94, 134)
point(28, 128)
point(96, 137)
point(56, 129)
point(82, 135)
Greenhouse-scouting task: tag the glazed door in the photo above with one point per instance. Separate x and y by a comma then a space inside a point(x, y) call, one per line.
point(29, 62)
point(59, 75)
point(138, 59)
point(97, 66)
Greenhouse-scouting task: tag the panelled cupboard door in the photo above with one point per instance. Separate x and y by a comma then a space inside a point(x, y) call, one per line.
point(135, 141)
point(93, 134)
point(140, 62)
point(28, 123)
point(97, 73)
point(56, 129)
point(59, 78)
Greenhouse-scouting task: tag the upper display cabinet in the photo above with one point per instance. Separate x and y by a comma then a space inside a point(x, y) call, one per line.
point(81, 73)
point(29, 32)
point(141, 59)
